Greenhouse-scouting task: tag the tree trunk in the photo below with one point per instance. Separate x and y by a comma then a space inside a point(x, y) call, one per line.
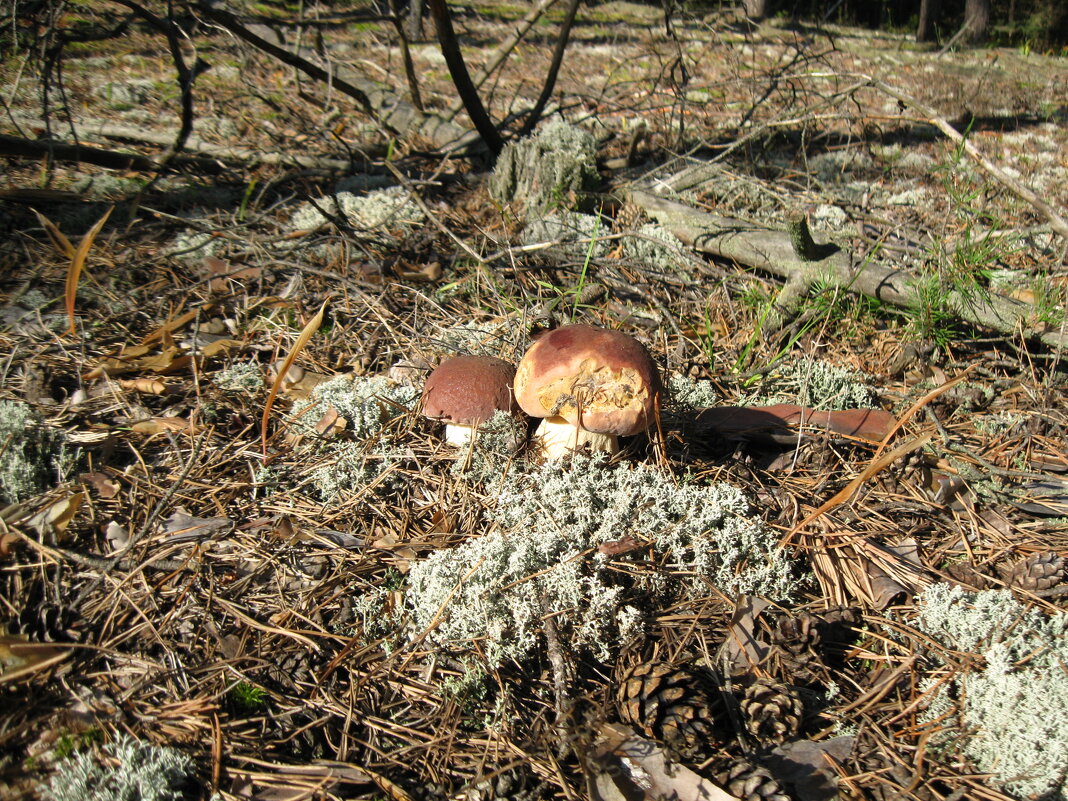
point(928, 12)
point(415, 21)
point(756, 9)
point(976, 19)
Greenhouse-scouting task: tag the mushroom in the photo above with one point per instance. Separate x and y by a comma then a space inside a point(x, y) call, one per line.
point(590, 385)
point(467, 390)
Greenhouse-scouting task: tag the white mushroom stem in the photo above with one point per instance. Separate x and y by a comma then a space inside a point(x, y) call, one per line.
point(556, 438)
point(456, 434)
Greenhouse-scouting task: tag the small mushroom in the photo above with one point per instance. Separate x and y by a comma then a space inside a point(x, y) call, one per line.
point(591, 386)
point(465, 391)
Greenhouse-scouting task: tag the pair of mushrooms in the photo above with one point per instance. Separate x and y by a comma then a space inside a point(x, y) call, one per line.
point(590, 386)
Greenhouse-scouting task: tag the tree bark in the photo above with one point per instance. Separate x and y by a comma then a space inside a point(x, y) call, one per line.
point(977, 20)
point(755, 9)
point(925, 28)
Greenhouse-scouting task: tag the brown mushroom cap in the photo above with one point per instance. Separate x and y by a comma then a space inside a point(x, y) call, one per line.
point(596, 379)
point(468, 390)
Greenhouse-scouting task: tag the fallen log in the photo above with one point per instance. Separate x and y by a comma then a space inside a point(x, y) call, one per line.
point(774, 252)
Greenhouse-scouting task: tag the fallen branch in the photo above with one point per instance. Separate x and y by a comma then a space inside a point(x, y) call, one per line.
point(17, 147)
point(101, 129)
point(773, 252)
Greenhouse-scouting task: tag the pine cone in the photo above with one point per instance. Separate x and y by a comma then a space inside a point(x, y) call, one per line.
point(750, 782)
point(629, 217)
point(797, 634)
point(772, 711)
point(673, 704)
point(1038, 571)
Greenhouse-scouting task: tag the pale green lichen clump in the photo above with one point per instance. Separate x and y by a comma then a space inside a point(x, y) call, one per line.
point(141, 772)
point(551, 169)
point(29, 451)
point(814, 383)
point(364, 456)
point(690, 393)
point(1012, 704)
point(390, 208)
point(240, 377)
point(542, 558)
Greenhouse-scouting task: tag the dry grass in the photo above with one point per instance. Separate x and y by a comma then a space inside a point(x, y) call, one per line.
point(267, 636)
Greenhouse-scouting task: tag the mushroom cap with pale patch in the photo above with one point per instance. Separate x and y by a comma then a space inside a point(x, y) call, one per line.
point(468, 390)
point(596, 379)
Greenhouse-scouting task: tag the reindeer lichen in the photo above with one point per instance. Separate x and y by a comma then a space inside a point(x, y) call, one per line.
point(364, 457)
point(552, 169)
point(542, 558)
point(135, 771)
point(1007, 712)
point(815, 383)
point(30, 451)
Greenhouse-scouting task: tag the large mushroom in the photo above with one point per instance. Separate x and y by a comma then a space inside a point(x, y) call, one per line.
point(465, 391)
point(591, 386)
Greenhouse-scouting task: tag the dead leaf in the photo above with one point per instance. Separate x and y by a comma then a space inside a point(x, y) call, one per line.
point(135, 359)
point(59, 239)
point(182, 526)
point(780, 423)
point(105, 487)
point(302, 340)
point(222, 273)
point(808, 768)
point(55, 518)
point(117, 536)
point(20, 658)
point(428, 273)
point(742, 649)
point(625, 544)
point(627, 767)
point(146, 386)
point(1046, 496)
point(157, 425)
point(221, 346)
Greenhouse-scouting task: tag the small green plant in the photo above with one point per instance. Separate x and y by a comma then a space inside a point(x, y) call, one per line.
point(959, 267)
point(247, 698)
point(69, 743)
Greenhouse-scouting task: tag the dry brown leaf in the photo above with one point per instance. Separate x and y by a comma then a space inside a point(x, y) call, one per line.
point(20, 658)
point(55, 517)
point(221, 346)
point(389, 542)
point(77, 262)
point(137, 359)
point(807, 766)
point(419, 272)
point(116, 535)
point(182, 526)
point(165, 332)
point(302, 340)
point(157, 425)
point(742, 649)
point(105, 487)
point(146, 386)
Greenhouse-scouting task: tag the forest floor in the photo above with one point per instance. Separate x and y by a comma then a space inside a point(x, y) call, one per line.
point(306, 594)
